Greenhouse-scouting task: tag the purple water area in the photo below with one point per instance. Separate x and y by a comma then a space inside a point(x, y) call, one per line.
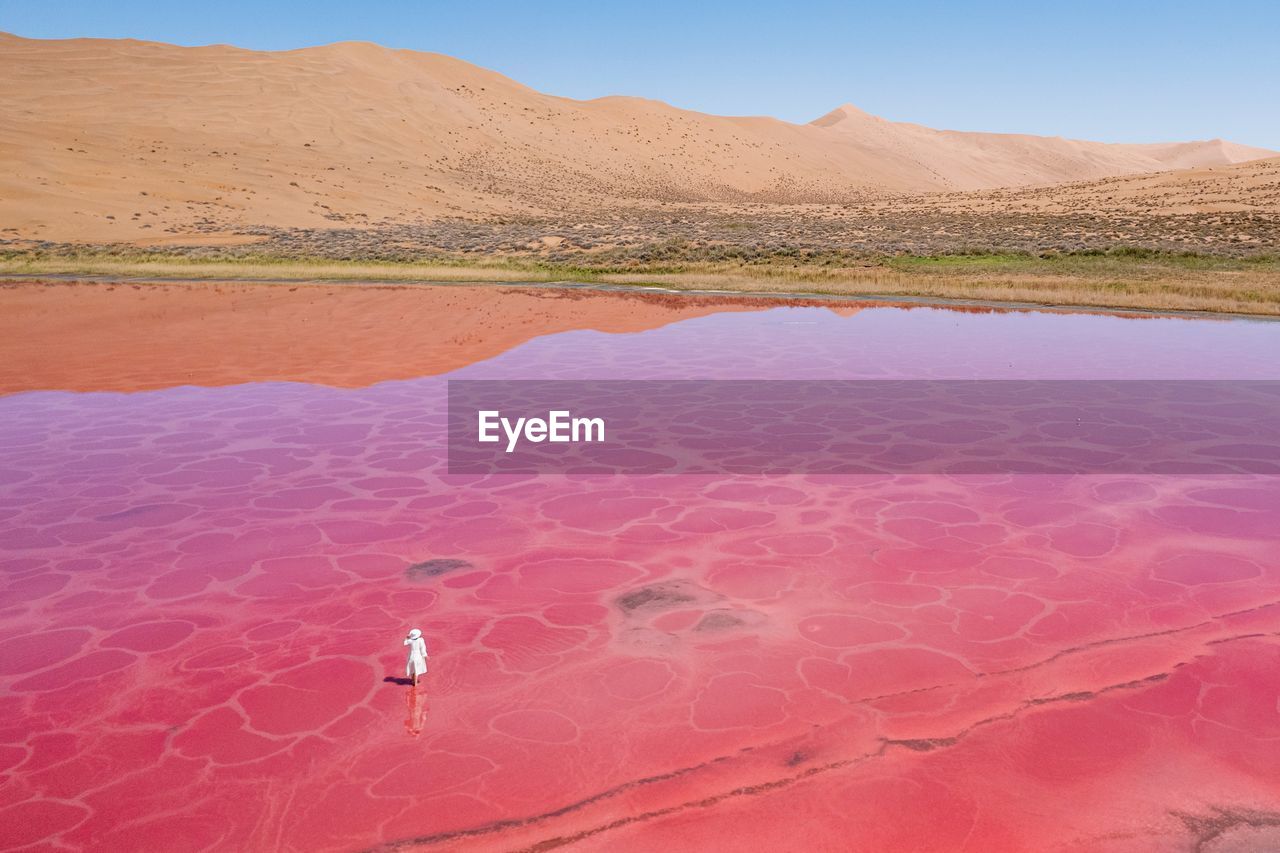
point(894, 343)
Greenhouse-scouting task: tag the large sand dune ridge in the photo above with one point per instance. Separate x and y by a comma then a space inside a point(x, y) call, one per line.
point(121, 140)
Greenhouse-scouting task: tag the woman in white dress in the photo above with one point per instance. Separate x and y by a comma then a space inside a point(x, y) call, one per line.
point(417, 663)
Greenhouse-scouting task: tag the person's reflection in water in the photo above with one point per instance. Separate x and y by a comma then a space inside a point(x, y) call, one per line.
point(417, 711)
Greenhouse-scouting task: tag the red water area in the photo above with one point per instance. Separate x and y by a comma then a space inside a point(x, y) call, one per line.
point(203, 594)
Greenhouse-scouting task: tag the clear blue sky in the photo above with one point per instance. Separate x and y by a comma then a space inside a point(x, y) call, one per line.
point(1123, 70)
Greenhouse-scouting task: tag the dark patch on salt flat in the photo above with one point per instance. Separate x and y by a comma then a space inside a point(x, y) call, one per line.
point(718, 620)
point(925, 744)
point(797, 758)
point(428, 569)
point(724, 619)
point(656, 596)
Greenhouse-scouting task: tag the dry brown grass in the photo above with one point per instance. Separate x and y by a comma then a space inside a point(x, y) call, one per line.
point(1159, 283)
point(1247, 294)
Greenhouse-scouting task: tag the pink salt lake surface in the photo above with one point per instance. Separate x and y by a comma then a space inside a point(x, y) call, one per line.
point(203, 592)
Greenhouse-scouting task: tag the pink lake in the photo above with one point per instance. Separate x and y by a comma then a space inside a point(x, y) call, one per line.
point(203, 591)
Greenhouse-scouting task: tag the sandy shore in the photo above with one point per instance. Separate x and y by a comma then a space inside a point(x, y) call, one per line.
point(1134, 280)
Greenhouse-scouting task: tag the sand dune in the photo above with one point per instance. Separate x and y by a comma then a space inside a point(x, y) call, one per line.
point(1252, 187)
point(134, 141)
point(975, 161)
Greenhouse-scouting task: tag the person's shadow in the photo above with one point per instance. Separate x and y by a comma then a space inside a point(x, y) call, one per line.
point(392, 679)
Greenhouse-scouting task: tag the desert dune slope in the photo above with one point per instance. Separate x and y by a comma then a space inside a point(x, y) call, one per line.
point(1251, 187)
point(976, 161)
point(127, 141)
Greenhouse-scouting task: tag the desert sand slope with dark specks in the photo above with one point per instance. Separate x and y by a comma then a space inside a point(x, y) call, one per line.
point(128, 141)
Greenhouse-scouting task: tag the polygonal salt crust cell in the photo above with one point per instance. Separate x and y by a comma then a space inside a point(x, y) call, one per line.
point(204, 591)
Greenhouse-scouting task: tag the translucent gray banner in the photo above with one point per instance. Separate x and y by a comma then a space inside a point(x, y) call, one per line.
point(863, 427)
